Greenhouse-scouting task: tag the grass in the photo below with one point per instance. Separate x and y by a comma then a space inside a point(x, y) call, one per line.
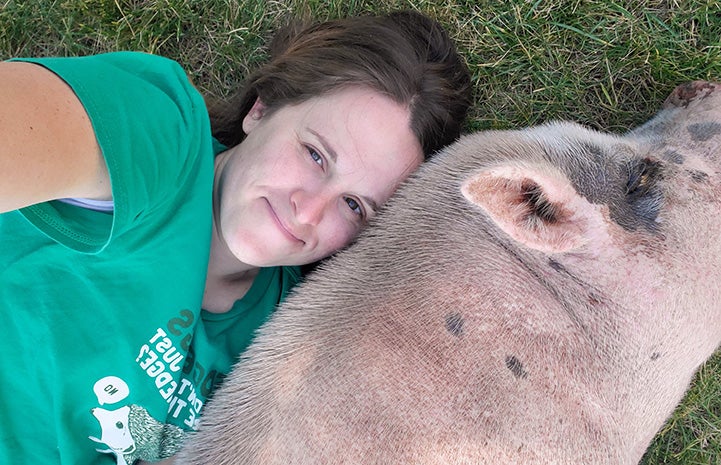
point(607, 64)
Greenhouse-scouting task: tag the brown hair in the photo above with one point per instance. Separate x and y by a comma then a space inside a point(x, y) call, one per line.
point(404, 55)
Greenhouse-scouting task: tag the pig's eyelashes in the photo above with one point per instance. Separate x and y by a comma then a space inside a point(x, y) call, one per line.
point(643, 198)
point(642, 177)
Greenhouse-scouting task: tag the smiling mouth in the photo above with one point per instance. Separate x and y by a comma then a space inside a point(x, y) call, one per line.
point(287, 232)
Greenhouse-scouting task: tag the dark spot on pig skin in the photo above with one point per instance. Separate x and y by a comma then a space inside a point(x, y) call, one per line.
point(674, 157)
point(516, 367)
point(590, 174)
point(702, 132)
point(698, 176)
point(454, 324)
point(655, 356)
point(601, 180)
point(595, 152)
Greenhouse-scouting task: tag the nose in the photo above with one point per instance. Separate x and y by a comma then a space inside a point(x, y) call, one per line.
point(685, 94)
point(310, 206)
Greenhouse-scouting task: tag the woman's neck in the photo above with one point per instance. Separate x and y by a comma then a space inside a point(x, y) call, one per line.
point(228, 278)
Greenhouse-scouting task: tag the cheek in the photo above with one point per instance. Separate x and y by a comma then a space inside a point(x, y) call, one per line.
point(336, 234)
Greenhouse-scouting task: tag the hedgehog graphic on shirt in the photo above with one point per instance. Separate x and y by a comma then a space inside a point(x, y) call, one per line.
point(131, 433)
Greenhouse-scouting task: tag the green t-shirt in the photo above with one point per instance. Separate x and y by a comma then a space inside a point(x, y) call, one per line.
point(108, 357)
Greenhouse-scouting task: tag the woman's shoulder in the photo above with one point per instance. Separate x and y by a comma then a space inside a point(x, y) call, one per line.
point(114, 70)
point(151, 126)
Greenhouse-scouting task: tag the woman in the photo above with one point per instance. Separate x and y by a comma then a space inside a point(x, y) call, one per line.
point(116, 212)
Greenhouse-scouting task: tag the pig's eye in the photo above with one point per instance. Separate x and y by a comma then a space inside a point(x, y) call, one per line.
point(643, 197)
point(641, 177)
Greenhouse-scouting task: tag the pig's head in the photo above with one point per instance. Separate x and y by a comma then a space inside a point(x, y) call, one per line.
point(538, 296)
point(632, 220)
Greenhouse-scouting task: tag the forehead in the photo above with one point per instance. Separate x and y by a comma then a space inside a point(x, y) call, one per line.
point(369, 133)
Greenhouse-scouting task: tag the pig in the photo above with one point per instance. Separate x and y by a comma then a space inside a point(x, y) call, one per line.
point(535, 296)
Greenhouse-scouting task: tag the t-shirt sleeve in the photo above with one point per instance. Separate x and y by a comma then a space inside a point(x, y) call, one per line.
point(152, 127)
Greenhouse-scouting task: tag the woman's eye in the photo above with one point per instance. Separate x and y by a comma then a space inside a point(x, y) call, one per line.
point(315, 156)
point(354, 205)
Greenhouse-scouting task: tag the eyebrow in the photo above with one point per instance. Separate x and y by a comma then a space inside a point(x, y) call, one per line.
point(327, 148)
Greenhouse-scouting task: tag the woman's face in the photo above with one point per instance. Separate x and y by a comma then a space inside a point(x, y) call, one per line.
point(307, 177)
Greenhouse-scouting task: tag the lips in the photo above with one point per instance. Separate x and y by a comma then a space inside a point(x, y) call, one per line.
point(287, 232)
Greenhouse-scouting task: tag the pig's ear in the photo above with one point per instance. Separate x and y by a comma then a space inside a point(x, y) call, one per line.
point(538, 208)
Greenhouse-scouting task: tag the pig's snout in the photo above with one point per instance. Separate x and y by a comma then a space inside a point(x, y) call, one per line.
point(686, 93)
